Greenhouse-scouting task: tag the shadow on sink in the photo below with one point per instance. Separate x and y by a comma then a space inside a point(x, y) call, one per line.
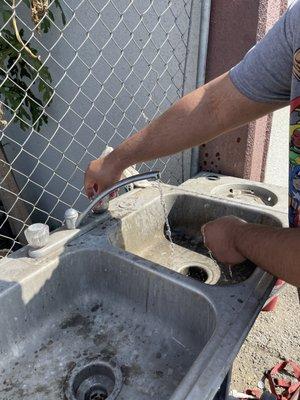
point(144, 233)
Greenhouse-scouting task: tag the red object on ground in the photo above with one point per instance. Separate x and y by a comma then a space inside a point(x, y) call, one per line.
point(272, 301)
point(291, 389)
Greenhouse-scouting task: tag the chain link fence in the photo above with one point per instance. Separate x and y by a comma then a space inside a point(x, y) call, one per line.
point(76, 76)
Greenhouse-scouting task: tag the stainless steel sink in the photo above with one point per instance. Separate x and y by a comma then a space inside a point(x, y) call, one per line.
point(101, 318)
point(101, 307)
point(144, 233)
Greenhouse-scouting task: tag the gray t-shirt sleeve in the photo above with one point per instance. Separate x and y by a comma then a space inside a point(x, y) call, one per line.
point(265, 73)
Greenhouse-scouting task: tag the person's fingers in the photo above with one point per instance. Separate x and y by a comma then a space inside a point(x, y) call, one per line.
point(88, 188)
point(89, 191)
point(96, 188)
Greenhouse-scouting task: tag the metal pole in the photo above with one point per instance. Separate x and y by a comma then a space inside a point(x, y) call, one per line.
point(202, 55)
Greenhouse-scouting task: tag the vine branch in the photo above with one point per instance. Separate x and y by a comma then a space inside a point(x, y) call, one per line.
point(18, 36)
point(3, 123)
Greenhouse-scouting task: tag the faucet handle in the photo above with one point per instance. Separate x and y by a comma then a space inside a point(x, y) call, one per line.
point(37, 235)
point(71, 216)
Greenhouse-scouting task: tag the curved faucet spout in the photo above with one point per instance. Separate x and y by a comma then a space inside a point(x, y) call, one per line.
point(153, 175)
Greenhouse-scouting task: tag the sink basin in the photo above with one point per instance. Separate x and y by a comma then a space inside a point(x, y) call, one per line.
point(107, 316)
point(145, 234)
point(90, 306)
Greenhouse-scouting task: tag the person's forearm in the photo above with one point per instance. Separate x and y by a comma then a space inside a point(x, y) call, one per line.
point(276, 250)
point(205, 113)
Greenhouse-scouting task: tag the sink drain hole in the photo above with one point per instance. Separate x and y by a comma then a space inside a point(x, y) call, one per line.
point(94, 381)
point(195, 272)
point(98, 393)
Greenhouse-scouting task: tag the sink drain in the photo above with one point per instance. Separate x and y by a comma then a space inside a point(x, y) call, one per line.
point(97, 394)
point(96, 380)
point(195, 272)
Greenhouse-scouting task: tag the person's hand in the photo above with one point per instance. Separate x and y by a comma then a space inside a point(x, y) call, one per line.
point(100, 175)
point(220, 236)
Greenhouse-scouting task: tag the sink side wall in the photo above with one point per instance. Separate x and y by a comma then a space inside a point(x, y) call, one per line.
point(86, 275)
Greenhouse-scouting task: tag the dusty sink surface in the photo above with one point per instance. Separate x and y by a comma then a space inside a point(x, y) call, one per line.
point(96, 305)
point(99, 298)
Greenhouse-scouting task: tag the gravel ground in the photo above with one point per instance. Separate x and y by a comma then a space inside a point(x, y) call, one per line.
point(275, 336)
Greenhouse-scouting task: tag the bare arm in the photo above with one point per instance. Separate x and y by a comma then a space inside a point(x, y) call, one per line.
point(211, 110)
point(276, 250)
point(273, 249)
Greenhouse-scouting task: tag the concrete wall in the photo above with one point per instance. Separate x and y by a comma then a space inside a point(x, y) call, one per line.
point(233, 30)
point(277, 158)
point(235, 27)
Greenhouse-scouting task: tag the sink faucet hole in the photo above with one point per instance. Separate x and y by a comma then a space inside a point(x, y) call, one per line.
point(212, 177)
point(196, 272)
point(251, 194)
point(94, 381)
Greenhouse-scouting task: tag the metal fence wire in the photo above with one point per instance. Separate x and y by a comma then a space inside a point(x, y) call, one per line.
point(76, 76)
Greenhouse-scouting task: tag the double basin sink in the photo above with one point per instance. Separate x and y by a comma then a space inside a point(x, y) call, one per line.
point(118, 312)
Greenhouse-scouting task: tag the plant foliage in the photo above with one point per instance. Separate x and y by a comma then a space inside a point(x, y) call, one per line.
point(25, 82)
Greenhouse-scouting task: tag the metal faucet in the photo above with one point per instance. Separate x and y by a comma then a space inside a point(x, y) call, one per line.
point(71, 216)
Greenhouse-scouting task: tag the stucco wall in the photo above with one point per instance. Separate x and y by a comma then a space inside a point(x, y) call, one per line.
point(234, 28)
point(277, 158)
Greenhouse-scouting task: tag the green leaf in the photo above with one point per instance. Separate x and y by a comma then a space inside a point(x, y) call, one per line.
point(25, 71)
point(46, 24)
point(4, 7)
point(63, 16)
point(27, 89)
point(50, 15)
point(47, 94)
point(27, 2)
point(22, 113)
point(23, 126)
point(6, 15)
point(45, 74)
point(41, 86)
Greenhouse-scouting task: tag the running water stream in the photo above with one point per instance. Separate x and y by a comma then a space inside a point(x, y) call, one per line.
point(168, 231)
point(168, 227)
point(163, 204)
point(169, 235)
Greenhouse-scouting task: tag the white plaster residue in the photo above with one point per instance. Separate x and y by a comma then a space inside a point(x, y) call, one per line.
point(278, 153)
